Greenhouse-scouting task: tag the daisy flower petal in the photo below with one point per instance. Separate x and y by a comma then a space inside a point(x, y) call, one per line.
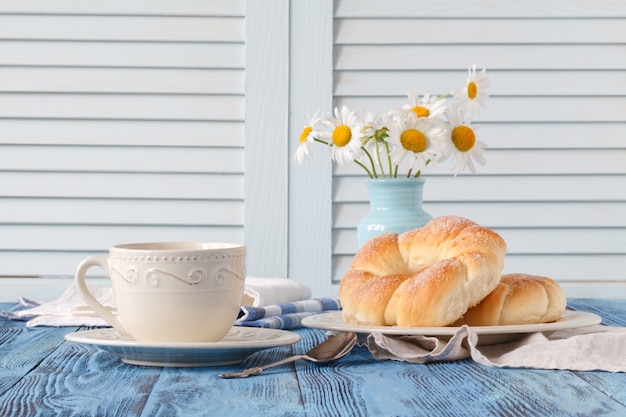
point(461, 145)
point(473, 96)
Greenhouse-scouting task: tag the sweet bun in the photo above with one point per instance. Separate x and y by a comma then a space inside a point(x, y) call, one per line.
point(428, 276)
point(518, 299)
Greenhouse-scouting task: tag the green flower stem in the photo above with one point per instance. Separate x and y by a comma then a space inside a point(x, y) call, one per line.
point(364, 167)
point(395, 174)
point(369, 156)
point(380, 164)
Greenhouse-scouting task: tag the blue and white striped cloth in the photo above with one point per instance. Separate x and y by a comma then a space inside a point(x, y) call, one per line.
point(285, 316)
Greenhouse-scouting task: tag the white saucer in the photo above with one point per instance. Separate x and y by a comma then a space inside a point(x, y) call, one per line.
point(487, 335)
point(233, 348)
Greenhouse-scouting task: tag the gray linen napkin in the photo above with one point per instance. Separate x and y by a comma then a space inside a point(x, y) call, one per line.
point(582, 349)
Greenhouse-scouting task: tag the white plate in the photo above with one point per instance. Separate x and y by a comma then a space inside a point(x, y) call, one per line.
point(487, 335)
point(233, 348)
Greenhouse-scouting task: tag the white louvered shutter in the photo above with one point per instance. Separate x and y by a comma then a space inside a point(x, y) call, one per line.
point(119, 121)
point(554, 185)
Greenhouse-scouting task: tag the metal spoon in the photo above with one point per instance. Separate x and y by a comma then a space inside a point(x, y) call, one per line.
point(332, 348)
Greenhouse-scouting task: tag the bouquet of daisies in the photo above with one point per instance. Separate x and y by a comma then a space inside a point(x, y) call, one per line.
point(427, 130)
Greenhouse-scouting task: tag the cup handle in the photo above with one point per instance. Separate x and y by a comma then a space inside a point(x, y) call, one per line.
point(91, 301)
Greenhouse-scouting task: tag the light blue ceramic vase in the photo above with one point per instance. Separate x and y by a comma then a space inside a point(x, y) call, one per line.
point(395, 206)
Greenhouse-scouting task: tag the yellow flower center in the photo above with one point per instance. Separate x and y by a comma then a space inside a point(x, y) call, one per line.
point(341, 135)
point(305, 133)
point(463, 138)
point(421, 111)
point(413, 140)
point(472, 90)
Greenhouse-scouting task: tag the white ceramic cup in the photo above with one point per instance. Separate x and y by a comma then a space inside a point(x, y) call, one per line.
point(170, 292)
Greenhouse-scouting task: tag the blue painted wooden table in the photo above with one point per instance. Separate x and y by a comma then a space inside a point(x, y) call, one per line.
point(43, 375)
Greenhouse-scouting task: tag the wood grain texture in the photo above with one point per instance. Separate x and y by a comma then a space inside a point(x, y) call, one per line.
point(42, 375)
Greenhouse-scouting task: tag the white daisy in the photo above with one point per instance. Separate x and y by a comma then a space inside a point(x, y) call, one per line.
point(428, 106)
point(472, 96)
point(343, 135)
point(461, 144)
point(416, 138)
point(307, 137)
point(373, 140)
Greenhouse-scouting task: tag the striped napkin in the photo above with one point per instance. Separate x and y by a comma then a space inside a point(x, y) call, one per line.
point(286, 315)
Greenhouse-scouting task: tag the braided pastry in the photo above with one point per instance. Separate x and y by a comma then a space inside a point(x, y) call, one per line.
point(518, 299)
point(428, 276)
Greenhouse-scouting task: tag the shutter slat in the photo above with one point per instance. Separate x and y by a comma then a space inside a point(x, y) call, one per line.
point(121, 80)
point(509, 82)
point(509, 57)
point(121, 185)
point(122, 106)
point(125, 159)
point(516, 109)
point(98, 237)
point(480, 9)
point(429, 31)
point(122, 132)
point(121, 212)
point(493, 189)
point(128, 7)
point(123, 54)
point(127, 28)
point(528, 162)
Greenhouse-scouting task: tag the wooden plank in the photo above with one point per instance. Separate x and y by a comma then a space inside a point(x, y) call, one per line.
point(500, 189)
point(121, 185)
point(127, 7)
point(611, 311)
point(482, 9)
point(588, 82)
point(122, 106)
point(535, 109)
point(121, 212)
point(21, 352)
point(342, 387)
point(138, 159)
point(500, 57)
point(121, 80)
point(122, 132)
point(123, 54)
point(420, 30)
point(127, 28)
point(181, 392)
point(103, 383)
